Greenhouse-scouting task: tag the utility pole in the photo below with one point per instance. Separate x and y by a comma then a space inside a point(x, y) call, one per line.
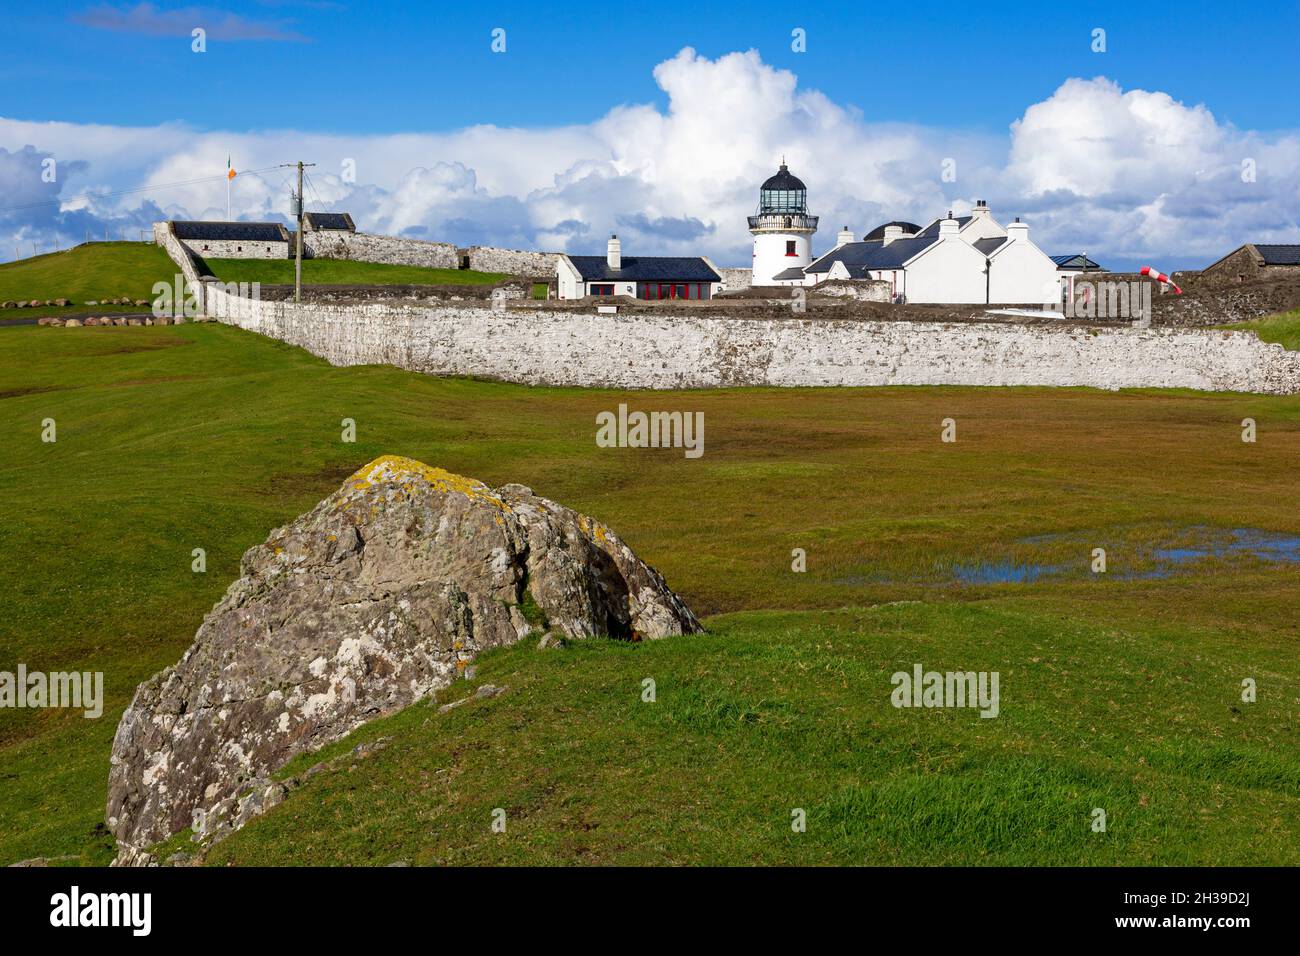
point(297, 264)
point(298, 209)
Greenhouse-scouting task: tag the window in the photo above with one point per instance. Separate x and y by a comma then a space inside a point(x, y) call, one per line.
point(789, 248)
point(602, 289)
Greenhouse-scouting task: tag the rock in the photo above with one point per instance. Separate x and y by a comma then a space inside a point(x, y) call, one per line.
point(8, 304)
point(148, 320)
point(135, 322)
point(119, 321)
point(179, 320)
point(549, 642)
point(63, 302)
point(72, 323)
point(140, 303)
point(92, 302)
point(48, 320)
point(376, 598)
point(36, 303)
point(162, 321)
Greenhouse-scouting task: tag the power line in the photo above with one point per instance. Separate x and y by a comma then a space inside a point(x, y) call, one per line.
point(127, 192)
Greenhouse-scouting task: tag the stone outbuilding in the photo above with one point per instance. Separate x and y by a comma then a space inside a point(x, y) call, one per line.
point(1255, 260)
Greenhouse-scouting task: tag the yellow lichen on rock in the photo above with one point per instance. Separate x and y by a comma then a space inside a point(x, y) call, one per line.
point(397, 467)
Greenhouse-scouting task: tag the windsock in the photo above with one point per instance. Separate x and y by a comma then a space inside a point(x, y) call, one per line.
point(1160, 277)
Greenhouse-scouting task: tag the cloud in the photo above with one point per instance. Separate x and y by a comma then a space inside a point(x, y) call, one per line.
point(148, 20)
point(1125, 175)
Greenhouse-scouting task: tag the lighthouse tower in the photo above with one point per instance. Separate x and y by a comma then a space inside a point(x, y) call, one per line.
point(782, 229)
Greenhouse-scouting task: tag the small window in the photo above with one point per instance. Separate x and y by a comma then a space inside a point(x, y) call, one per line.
point(602, 290)
point(789, 248)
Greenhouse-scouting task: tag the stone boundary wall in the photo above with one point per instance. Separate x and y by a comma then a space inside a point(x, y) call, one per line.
point(863, 290)
point(165, 236)
point(515, 262)
point(367, 247)
point(673, 352)
point(736, 280)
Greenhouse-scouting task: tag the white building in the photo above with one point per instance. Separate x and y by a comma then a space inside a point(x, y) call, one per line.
point(956, 260)
point(642, 277)
point(782, 229)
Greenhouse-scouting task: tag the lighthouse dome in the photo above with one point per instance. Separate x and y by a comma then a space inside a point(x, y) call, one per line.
point(783, 193)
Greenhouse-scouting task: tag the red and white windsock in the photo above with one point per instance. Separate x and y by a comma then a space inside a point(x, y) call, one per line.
point(1161, 278)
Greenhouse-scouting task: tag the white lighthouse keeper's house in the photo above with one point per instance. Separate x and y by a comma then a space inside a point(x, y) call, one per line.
point(782, 230)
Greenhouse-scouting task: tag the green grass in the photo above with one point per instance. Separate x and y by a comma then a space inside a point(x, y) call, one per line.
point(344, 272)
point(1117, 691)
point(93, 271)
point(1283, 329)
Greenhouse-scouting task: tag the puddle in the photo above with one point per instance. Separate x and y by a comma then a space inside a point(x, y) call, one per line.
point(1004, 572)
point(1272, 547)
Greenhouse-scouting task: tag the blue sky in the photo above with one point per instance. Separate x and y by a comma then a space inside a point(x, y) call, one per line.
point(660, 120)
point(394, 66)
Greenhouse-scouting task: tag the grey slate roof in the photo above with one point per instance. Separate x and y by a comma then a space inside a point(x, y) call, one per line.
point(989, 246)
point(859, 257)
point(794, 272)
point(646, 269)
point(1076, 261)
point(932, 231)
point(192, 229)
point(1279, 255)
point(909, 228)
point(328, 220)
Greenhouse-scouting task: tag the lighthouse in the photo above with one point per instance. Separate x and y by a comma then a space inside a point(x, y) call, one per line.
point(782, 229)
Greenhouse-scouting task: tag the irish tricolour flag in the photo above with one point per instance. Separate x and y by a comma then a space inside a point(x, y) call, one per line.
point(230, 170)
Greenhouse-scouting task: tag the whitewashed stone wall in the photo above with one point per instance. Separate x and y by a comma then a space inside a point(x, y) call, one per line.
point(670, 352)
point(515, 262)
point(366, 247)
point(164, 236)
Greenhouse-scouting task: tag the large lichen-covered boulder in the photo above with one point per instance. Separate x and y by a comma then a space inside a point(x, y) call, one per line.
point(380, 595)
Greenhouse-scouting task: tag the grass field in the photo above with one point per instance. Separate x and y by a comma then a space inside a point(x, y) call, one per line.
point(1119, 690)
point(94, 271)
point(344, 272)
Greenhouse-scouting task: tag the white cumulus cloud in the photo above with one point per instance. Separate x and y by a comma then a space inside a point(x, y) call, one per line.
point(1126, 175)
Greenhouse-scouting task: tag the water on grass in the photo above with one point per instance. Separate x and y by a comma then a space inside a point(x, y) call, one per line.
point(1147, 562)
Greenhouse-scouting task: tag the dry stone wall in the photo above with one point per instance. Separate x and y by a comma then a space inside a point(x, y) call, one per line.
point(736, 280)
point(515, 262)
point(365, 247)
point(673, 352)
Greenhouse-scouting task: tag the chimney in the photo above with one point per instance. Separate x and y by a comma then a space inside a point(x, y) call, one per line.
point(892, 233)
point(844, 238)
point(614, 253)
point(1018, 231)
point(948, 227)
point(981, 209)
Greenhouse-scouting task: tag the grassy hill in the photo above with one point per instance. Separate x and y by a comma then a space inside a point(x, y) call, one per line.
point(1119, 690)
point(92, 271)
point(344, 272)
point(1283, 329)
